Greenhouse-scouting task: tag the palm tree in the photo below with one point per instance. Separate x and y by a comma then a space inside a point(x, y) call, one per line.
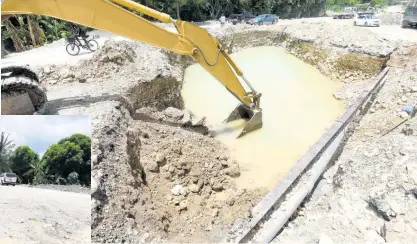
point(6, 146)
point(35, 172)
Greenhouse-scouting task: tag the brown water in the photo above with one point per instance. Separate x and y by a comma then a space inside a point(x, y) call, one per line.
point(297, 105)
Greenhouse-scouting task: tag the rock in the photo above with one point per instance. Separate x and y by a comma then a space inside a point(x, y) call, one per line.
point(153, 167)
point(382, 207)
point(177, 190)
point(198, 121)
point(324, 239)
point(47, 70)
point(233, 171)
point(82, 80)
point(214, 212)
point(217, 186)
point(66, 73)
point(194, 188)
point(183, 205)
point(160, 159)
point(174, 113)
point(53, 82)
point(230, 201)
point(186, 119)
point(407, 130)
point(413, 89)
point(404, 99)
point(338, 95)
point(403, 115)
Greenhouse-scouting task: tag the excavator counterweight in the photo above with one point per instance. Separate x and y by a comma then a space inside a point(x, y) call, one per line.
point(190, 40)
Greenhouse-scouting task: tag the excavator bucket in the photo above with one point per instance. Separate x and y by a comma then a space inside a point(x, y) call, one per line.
point(242, 112)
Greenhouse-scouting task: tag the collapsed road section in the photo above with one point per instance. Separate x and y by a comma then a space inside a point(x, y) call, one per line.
point(161, 175)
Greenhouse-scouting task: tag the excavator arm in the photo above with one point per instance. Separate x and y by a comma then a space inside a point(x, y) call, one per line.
point(118, 17)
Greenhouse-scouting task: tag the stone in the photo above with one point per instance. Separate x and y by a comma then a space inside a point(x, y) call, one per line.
point(403, 115)
point(160, 159)
point(198, 121)
point(217, 186)
point(47, 70)
point(174, 113)
point(153, 167)
point(324, 239)
point(186, 119)
point(230, 201)
point(177, 189)
point(194, 188)
point(183, 205)
point(53, 82)
point(404, 99)
point(214, 212)
point(233, 171)
point(413, 89)
point(82, 80)
point(65, 73)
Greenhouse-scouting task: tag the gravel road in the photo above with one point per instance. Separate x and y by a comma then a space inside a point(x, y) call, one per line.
point(31, 215)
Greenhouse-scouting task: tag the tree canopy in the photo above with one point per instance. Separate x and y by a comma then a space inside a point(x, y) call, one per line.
point(67, 161)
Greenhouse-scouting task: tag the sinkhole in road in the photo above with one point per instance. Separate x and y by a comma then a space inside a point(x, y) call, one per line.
point(297, 105)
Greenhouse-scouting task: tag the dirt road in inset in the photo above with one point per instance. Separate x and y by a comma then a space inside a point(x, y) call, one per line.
point(31, 215)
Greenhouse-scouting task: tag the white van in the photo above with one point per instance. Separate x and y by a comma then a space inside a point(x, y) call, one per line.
point(8, 179)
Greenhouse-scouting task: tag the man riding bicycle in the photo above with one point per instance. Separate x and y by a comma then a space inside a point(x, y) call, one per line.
point(79, 33)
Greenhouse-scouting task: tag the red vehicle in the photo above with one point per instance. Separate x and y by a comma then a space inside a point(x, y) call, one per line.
point(8, 179)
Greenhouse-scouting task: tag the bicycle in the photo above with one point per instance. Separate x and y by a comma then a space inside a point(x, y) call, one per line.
point(74, 44)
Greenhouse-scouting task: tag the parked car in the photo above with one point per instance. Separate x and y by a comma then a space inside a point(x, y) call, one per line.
point(241, 17)
point(264, 19)
point(410, 17)
point(366, 20)
point(8, 179)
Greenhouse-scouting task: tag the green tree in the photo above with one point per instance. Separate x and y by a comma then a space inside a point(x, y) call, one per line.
point(6, 147)
point(21, 160)
point(62, 159)
point(36, 173)
point(84, 142)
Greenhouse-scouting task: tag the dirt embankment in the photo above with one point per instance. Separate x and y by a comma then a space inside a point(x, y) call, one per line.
point(157, 176)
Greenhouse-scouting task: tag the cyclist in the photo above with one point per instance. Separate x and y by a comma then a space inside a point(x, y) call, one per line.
point(79, 33)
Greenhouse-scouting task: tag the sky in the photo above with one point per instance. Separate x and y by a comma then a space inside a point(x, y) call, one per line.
point(39, 132)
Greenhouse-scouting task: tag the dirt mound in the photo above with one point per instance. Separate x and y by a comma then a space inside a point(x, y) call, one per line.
point(189, 177)
point(121, 61)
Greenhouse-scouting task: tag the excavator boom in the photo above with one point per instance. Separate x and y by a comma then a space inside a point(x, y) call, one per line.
point(190, 40)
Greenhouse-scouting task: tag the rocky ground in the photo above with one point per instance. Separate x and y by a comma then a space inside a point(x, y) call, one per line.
point(158, 176)
point(31, 215)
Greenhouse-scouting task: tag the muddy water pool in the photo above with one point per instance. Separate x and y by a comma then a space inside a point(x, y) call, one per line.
point(297, 105)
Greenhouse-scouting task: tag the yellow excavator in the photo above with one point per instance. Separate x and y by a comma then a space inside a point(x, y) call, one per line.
point(119, 17)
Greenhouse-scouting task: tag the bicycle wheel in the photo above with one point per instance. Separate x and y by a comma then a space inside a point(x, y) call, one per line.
point(92, 45)
point(73, 49)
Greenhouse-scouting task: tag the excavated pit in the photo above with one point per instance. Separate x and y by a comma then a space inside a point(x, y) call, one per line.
point(211, 183)
point(159, 176)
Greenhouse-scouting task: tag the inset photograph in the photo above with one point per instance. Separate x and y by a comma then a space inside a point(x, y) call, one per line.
point(45, 177)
